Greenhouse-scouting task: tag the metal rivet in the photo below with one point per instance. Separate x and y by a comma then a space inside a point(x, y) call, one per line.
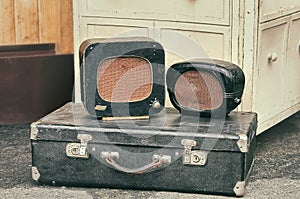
point(75, 151)
point(237, 100)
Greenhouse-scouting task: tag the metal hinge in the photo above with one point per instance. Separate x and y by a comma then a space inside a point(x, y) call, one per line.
point(79, 150)
point(193, 157)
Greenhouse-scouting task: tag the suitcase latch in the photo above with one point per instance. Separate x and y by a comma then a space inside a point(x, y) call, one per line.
point(192, 157)
point(79, 150)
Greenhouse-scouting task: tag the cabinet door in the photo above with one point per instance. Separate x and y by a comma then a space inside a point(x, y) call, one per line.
point(271, 9)
point(184, 42)
point(269, 88)
point(292, 69)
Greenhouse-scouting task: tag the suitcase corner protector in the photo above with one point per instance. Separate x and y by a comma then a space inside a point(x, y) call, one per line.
point(34, 131)
point(35, 173)
point(243, 143)
point(240, 188)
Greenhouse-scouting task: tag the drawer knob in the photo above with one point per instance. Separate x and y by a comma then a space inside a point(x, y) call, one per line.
point(272, 57)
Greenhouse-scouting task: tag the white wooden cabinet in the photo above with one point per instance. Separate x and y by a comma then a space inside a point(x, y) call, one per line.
point(262, 36)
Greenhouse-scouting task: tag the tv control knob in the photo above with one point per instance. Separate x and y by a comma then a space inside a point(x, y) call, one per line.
point(156, 105)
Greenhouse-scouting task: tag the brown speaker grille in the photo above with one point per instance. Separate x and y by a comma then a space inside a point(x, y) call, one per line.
point(124, 79)
point(198, 90)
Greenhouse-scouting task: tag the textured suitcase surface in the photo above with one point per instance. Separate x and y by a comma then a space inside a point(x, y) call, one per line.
point(167, 152)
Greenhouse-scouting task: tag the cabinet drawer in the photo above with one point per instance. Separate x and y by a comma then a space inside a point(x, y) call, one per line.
point(271, 9)
point(204, 11)
point(271, 62)
point(106, 28)
point(292, 68)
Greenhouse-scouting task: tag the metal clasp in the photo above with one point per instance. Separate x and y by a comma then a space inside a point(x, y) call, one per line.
point(192, 157)
point(79, 150)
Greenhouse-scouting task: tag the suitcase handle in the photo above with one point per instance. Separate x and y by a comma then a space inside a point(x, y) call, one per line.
point(157, 161)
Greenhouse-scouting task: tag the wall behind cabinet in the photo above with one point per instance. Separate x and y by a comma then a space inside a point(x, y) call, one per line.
point(37, 21)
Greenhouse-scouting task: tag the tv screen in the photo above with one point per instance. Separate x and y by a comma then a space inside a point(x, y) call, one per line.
point(124, 79)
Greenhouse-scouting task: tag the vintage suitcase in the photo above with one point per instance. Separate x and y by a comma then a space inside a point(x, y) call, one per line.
point(168, 152)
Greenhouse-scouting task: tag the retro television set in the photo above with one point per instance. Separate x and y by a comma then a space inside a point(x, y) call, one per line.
point(205, 87)
point(122, 77)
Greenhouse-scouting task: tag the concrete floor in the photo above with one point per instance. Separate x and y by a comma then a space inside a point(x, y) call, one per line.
point(276, 172)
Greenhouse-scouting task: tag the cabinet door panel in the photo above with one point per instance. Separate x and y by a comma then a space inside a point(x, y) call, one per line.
point(292, 69)
point(195, 44)
point(106, 31)
point(184, 44)
point(269, 98)
point(106, 28)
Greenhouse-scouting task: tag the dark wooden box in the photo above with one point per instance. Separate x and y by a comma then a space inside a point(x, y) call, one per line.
point(168, 152)
point(34, 81)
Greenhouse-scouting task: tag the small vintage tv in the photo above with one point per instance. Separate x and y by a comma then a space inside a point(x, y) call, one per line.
point(205, 87)
point(122, 77)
